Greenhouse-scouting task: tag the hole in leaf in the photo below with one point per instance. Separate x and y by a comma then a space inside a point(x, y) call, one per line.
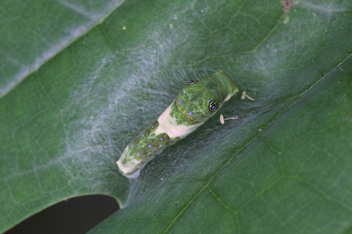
point(75, 215)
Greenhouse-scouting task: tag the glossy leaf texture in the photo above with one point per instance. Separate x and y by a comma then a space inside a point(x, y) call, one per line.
point(284, 166)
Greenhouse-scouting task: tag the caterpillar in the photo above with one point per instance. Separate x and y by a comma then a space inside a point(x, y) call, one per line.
point(195, 104)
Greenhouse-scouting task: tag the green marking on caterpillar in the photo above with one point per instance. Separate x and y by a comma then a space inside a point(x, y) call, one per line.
point(194, 105)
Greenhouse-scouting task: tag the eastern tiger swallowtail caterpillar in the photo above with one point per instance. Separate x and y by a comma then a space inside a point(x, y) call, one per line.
point(194, 105)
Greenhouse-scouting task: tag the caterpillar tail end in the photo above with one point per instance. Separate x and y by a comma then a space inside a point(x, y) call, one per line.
point(125, 171)
point(128, 171)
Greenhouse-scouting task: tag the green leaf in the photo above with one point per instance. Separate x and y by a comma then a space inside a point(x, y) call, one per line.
point(284, 166)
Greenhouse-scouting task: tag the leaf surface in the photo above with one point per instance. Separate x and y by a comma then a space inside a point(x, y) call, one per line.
point(284, 166)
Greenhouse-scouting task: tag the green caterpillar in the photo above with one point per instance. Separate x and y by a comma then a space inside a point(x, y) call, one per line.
point(194, 105)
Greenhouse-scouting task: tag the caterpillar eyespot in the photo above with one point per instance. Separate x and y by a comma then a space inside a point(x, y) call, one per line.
point(212, 106)
point(195, 104)
point(192, 82)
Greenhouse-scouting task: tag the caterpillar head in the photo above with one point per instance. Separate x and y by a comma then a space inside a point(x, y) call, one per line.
point(201, 99)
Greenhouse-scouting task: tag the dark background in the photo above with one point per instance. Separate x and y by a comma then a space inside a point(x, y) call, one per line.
point(75, 215)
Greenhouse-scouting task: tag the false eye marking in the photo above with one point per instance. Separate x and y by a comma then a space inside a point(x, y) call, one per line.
point(191, 82)
point(212, 105)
